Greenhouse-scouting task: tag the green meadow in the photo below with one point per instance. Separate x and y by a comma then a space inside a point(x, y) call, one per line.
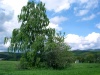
point(11, 68)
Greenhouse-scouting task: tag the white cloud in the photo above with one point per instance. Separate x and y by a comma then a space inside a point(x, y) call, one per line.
point(88, 4)
point(89, 17)
point(56, 21)
point(7, 44)
point(16, 7)
point(83, 1)
point(93, 37)
point(58, 5)
point(91, 41)
point(9, 9)
point(71, 39)
point(82, 12)
point(85, 6)
point(56, 26)
point(98, 25)
point(91, 4)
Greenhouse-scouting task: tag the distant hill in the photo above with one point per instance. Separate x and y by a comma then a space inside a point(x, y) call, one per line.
point(93, 50)
point(17, 56)
point(87, 50)
point(80, 52)
point(10, 56)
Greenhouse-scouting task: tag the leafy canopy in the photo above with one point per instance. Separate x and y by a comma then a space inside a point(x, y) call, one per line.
point(34, 24)
point(36, 40)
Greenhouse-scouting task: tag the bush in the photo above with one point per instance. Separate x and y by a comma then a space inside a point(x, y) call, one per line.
point(23, 63)
point(58, 59)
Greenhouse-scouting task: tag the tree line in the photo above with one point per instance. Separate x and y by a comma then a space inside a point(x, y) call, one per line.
point(87, 56)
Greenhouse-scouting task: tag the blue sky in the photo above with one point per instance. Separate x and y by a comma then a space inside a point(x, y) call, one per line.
point(79, 19)
point(78, 23)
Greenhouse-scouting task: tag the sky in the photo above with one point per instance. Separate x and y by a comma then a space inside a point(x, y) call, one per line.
point(79, 19)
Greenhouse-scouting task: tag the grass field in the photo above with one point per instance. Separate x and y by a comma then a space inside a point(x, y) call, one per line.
point(11, 68)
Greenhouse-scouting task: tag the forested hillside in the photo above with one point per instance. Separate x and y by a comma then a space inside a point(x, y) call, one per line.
point(87, 56)
point(81, 55)
point(10, 56)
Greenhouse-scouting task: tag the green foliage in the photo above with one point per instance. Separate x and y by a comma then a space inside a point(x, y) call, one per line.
point(10, 56)
point(23, 63)
point(58, 56)
point(37, 41)
point(87, 56)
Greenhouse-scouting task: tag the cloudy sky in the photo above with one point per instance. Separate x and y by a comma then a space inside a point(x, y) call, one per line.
point(79, 19)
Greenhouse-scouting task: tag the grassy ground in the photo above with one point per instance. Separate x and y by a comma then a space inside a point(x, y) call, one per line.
point(11, 68)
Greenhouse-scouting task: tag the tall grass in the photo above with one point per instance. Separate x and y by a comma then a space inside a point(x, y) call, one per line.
point(11, 68)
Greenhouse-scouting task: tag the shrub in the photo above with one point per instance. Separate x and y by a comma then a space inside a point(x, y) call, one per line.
point(58, 59)
point(23, 63)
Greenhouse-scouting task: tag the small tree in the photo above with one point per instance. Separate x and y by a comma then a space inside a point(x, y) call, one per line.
point(89, 57)
point(58, 54)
